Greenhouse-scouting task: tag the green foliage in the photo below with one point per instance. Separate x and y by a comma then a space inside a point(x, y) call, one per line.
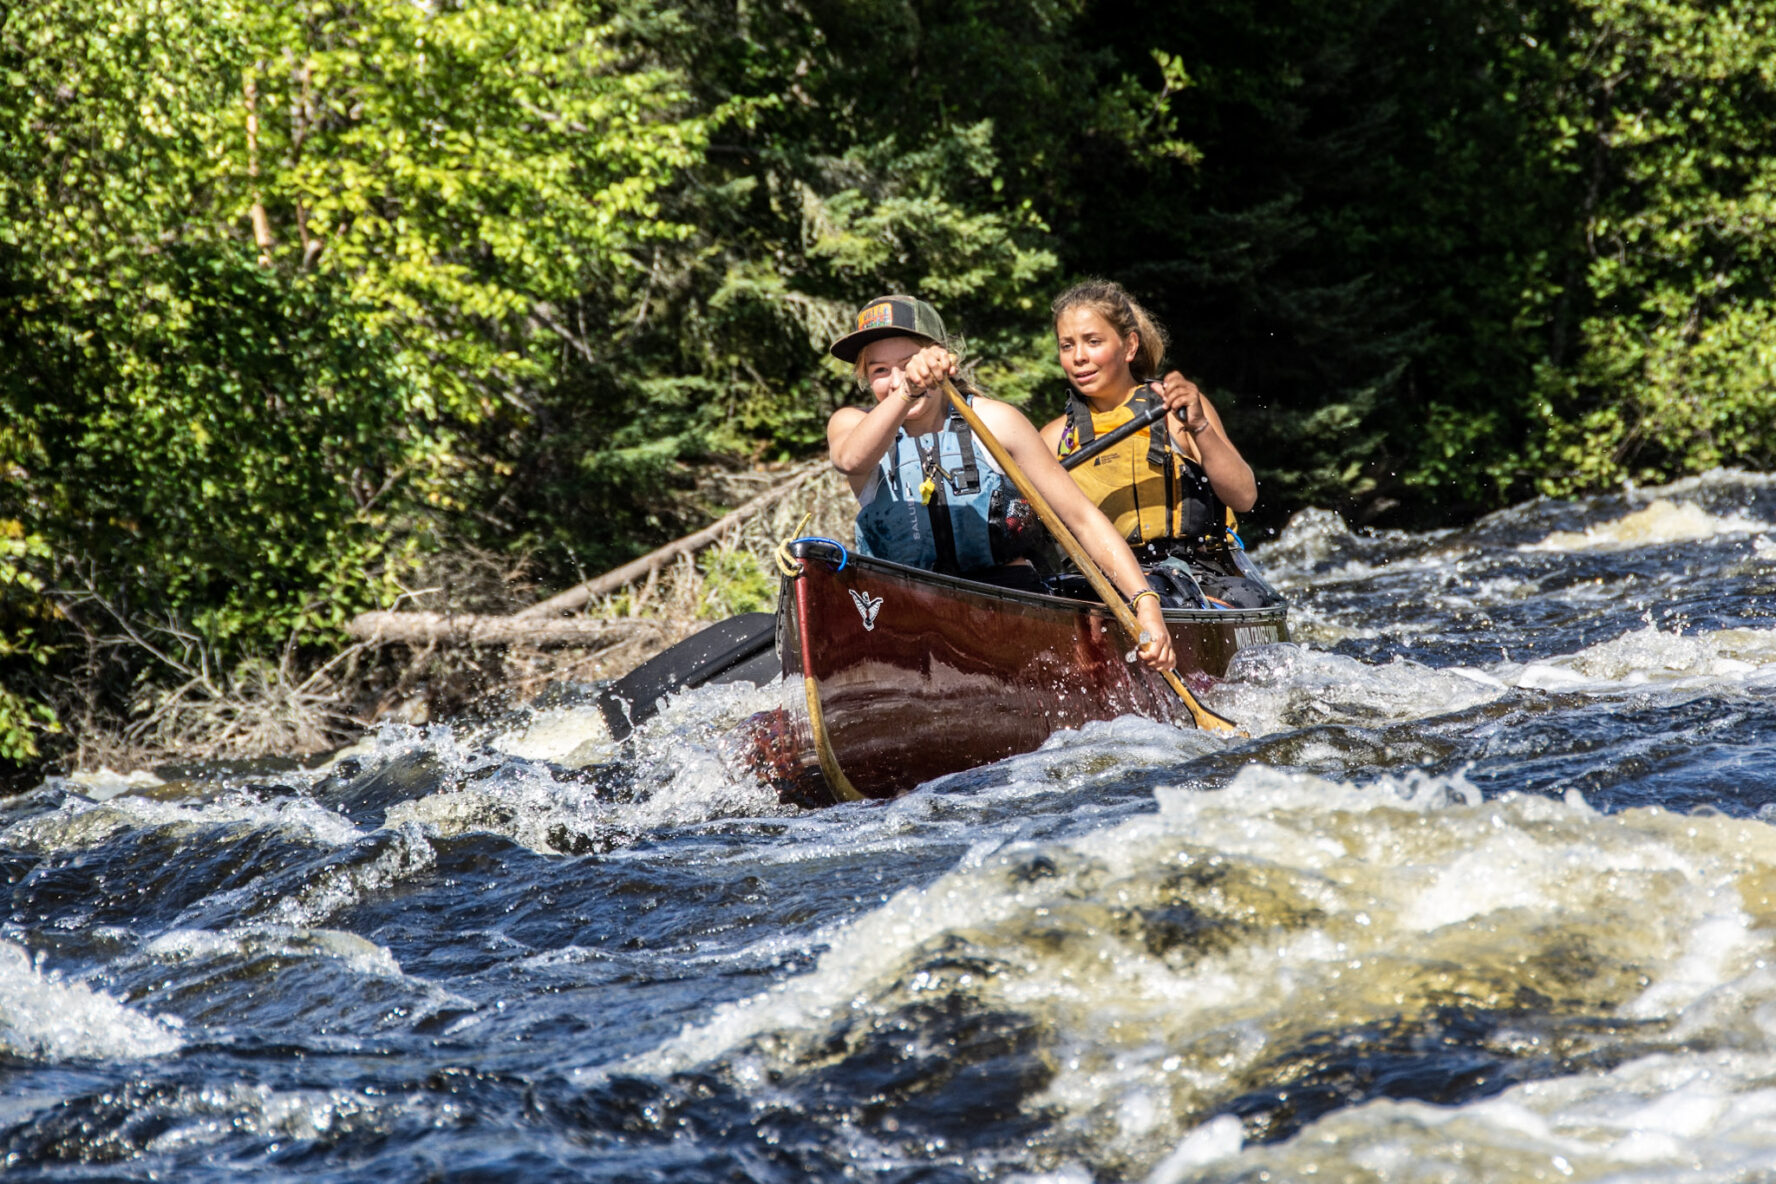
point(460, 166)
point(23, 612)
point(735, 582)
point(840, 169)
point(275, 281)
point(234, 456)
point(1669, 121)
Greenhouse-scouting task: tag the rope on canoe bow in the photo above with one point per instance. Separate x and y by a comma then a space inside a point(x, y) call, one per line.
point(786, 562)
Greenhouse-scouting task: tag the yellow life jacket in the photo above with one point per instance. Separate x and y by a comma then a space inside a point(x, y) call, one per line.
point(1145, 486)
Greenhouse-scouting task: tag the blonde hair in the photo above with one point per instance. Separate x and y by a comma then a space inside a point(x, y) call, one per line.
point(1124, 314)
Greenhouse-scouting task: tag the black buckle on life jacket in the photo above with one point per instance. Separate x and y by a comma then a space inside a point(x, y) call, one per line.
point(970, 470)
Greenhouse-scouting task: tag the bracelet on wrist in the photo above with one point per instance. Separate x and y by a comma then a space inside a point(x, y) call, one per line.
point(1135, 600)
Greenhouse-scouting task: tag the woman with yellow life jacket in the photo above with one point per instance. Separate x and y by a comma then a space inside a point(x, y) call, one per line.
point(1169, 491)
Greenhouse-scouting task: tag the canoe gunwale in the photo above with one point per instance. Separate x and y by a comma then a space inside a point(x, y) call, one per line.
point(809, 549)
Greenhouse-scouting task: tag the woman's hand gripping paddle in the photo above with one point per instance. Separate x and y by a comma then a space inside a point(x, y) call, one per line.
point(1205, 719)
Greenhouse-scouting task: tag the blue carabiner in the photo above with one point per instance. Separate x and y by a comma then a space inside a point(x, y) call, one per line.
point(844, 555)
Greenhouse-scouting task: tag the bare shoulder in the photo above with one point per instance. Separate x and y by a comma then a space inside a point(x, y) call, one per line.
point(1002, 417)
point(845, 416)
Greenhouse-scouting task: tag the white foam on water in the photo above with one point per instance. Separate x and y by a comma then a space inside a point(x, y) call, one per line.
point(567, 736)
point(1724, 658)
point(1317, 548)
point(206, 959)
point(45, 1017)
point(673, 772)
point(1072, 1173)
point(80, 823)
point(187, 1118)
point(342, 885)
point(862, 951)
point(524, 803)
point(1309, 624)
point(104, 783)
point(686, 773)
point(678, 774)
point(1643, 915)
point(1273, 688)
point(1658, 524)
point(1072, 756)
point(1216, 1139)
point(1670, 1118)
point(1176, 960)
point(241, 943)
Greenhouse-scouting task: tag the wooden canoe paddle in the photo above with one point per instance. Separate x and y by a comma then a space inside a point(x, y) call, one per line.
point(1125, 617)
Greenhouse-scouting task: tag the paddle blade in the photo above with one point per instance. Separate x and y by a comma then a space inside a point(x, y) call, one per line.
point(739, 649)
point(1205, 719)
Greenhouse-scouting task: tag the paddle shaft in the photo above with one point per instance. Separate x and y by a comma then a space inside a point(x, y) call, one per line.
point(1146, 419)
point(1125, 617)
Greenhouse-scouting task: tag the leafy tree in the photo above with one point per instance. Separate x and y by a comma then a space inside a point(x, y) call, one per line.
point(24, 714)
point(861, 151)
point(1664, 124)
point(271, 274)
point(1341, 256)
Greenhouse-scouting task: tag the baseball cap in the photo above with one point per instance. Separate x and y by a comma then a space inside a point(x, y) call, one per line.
point(888, 316)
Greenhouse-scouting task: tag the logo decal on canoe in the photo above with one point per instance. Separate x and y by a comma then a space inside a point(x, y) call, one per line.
point(867, 607)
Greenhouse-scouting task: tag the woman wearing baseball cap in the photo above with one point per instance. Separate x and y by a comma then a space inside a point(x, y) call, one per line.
point(930, 496)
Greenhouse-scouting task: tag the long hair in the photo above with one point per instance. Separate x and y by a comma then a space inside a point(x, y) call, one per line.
point(1124, 313)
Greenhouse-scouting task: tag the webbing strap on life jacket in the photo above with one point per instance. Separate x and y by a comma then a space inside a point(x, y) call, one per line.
point(970, 482)
point(965, 480)
point(1079, 419)
point(937, 508)
point(1159, 442)
point(1161, 434)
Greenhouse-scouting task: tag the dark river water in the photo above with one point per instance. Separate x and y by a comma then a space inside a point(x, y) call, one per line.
point(1489, 893)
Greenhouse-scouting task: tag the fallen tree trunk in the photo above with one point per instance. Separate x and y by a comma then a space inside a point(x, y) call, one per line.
point(653, 561)
point(478, 629)
point(541, 624)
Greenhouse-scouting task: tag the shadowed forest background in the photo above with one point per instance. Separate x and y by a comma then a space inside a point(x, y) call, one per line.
point(302, 303)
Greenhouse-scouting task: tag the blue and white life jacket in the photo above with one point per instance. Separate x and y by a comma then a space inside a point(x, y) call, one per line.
point(973, 518)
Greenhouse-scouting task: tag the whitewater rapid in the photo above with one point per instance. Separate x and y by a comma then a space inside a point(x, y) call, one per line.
point(1487, 891)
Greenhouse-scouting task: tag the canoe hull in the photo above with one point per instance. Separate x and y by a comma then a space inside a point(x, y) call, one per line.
point(906, 675)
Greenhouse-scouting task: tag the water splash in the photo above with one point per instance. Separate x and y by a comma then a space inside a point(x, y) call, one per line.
point(1730, 657)
point(1662, 522)
point(47, 1017)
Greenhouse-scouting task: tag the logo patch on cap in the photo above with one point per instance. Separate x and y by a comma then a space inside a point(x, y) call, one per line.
point(876, 314)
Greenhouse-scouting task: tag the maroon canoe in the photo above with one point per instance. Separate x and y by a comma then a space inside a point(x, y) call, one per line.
point(907, 675)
